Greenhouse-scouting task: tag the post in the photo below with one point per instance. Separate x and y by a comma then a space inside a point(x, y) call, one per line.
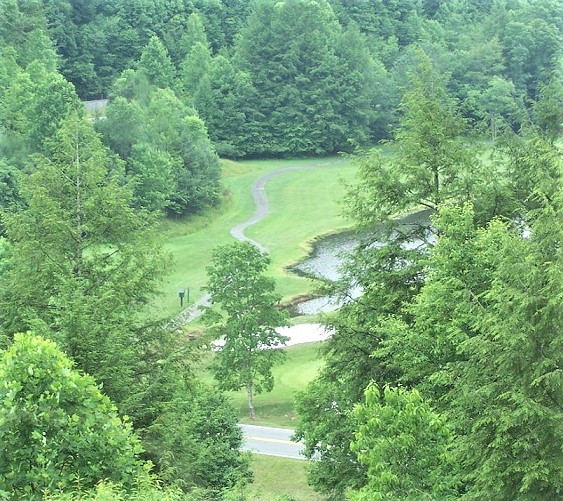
point(181, 294)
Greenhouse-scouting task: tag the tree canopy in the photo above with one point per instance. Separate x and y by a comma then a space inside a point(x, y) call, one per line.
point(56, 426)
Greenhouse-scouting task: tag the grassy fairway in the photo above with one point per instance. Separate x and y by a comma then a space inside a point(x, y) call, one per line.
point(303, 204)
point(280, 478)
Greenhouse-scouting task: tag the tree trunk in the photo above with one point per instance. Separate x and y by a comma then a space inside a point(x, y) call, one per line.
point(250, 393)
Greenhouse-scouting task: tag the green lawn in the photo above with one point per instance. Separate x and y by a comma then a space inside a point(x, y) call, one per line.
point(276, 407)
point(303, 204)
point(276, 479)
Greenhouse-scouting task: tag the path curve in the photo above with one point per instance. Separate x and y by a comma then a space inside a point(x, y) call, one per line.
point(261, 211)
point(261, 203)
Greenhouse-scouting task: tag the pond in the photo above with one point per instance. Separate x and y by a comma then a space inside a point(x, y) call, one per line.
point(327, 258)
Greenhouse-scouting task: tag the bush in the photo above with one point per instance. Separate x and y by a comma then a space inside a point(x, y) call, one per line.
point(57, 429)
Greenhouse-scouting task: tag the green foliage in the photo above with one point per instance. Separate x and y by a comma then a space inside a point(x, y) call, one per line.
point(498, 106)
point(152, 171)
point(108, 491)
point(193, 69)
point(290, 50)
point(33, 107)
point(57, 429)
point(432, 166)
point(165, 144)
point(252, 346)
point(81, 262)
point(403, 443)
point(315, 65)
point(550, 116)
point(482, 340)
point(224, 98)
point(196, 443)
point(10, 198)
point(324, 409)
point(431, 154)
point(155, 64)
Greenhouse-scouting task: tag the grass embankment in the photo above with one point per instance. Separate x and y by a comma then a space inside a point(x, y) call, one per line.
point(276, 407)
point(280, 478)
point(303, 204)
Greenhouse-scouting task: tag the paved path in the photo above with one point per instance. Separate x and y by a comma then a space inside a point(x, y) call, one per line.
point(261, 203)
point(271, 441)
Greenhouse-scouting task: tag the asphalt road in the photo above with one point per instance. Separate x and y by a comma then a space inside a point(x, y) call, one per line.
point(271, 441)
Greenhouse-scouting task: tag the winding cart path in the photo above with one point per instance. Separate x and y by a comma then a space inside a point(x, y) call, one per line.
point(261, 211)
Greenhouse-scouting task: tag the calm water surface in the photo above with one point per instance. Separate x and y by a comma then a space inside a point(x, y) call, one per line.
point(327, 258)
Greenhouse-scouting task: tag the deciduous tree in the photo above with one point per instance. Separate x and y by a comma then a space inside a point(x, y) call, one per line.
point(403, 443)
point(57, 428)
point(250, 317)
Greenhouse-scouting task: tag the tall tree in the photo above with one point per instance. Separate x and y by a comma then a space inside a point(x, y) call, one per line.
point(248, 326)
point(33, 108)
point(10, 197)
point(482, 340)
point(432, 165)
point(152, 172)
point(158, 119)
point(290, 51)
point(224, 99)
point(193, 69)
point(515, 417)
point(81, 261)
point(155, 64)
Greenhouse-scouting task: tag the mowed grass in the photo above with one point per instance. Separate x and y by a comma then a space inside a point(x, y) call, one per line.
point(276, 407)
point(280, 478)
point(303, 204)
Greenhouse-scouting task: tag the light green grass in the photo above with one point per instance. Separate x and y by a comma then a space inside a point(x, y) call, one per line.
point(303, 204)
point(276, 407)
point(280, 478)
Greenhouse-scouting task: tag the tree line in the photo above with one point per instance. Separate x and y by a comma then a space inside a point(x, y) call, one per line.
point(442, 380)
point(292, 78)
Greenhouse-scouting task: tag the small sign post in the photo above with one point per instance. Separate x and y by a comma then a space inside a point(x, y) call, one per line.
point(181, 294)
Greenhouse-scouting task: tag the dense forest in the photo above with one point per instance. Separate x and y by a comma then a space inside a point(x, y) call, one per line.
point(442, 381)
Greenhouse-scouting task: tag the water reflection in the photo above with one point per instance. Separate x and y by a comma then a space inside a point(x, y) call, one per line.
point(327, 258)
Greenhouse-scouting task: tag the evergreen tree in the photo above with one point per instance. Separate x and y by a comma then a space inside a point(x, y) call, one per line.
point(224, 100)
point(432, 166)
point(81, 262)
point(155, 64)
point(289, 50)
point(193, 69)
